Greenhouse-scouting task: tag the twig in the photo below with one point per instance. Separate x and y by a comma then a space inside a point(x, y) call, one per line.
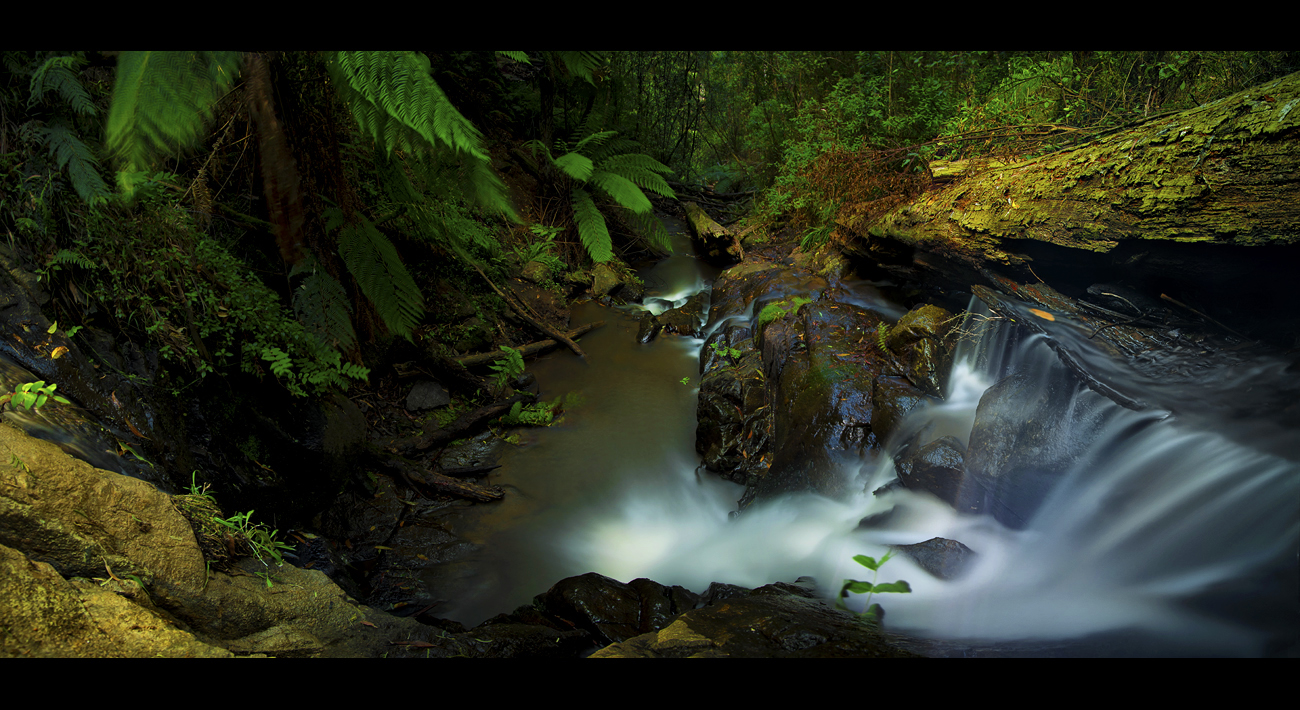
point(1193, 310)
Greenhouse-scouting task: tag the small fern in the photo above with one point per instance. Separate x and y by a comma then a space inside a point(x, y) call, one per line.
point(58, 73)
point(882, 336)
point(321, 304)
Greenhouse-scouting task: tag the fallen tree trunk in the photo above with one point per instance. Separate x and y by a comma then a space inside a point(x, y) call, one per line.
point(1227, 172)
point(530, 349)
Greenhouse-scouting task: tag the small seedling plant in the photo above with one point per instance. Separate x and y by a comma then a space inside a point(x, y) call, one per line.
point(32, 395)
point(871, 613)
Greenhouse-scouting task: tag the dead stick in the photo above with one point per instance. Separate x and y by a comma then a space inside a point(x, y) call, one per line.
point(537, 323)
point(529, 349)
point(1193, 310)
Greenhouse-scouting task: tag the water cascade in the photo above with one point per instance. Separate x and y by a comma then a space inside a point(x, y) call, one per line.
point(1163, 535)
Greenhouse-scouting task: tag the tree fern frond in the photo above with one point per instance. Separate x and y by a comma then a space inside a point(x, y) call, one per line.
point(637, 160)
point(592, 230)
point(621, 190)
point(399, 83)
point(582, 64)
point(593, 140)
point(521, 57)
point(373, 261)
point(59, 73)
point(83, 168)
point(321, 305)
point(653, 230)
point(575, 165)
point(644, 178)
point(161, 101)
point(490, 192)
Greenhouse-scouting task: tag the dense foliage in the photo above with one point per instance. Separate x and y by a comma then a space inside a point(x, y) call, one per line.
point(279, 213)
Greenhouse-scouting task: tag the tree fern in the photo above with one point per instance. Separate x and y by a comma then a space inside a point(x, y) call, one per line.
point(162, 100)
point(373, 262)
point(78, 159)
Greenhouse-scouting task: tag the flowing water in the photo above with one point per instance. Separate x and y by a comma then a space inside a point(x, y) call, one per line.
point(1165, 538)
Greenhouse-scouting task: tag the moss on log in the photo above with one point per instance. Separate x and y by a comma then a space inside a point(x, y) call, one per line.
point(1227, 172)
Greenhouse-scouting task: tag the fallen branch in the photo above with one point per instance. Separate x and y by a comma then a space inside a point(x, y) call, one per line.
point(529, 349)
point(438, 483)
point(537, 322)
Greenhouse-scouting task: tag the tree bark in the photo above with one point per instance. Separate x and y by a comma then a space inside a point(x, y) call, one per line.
point(1227, 172)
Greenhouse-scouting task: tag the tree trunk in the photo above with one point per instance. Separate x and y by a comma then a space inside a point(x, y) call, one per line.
point(1227, 172)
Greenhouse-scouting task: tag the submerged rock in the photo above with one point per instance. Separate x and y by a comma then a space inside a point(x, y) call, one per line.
point(945, 559)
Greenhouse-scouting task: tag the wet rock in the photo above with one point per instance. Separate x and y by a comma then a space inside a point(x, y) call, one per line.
point(612, 611)
point(818, 367)
point(648, 328)
point(631, 292)
point(733, 422)
point(603, 280)
point(536, 272)
point(688, 318)
point(937, 468)
point(920, 341)
point(426, 395)
point(775, 621)
point(1028, 432)
point(892, 398)
point(945, 559)
point(474, 335)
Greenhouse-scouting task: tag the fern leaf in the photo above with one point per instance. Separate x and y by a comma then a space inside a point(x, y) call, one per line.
point(161, 101)
point(623, 191)
point(582, 64)
point(592, 231)
point(83, 168)
point(653, 231)
point(646, 180)
point(322, 306)
point(521, 57)
point(575, 165)
point(373, 262)
point(594, 140)
point(59, 73)
point(69, 256)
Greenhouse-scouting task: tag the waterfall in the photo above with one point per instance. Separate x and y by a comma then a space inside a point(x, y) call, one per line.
point(1162, 536)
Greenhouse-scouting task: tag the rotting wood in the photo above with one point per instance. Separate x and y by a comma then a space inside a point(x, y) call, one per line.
point(1227, 172)
point(421, 480)
point(432, 435)
point(526, 350)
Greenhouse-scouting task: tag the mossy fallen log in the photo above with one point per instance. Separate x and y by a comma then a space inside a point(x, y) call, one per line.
point(1227, 172)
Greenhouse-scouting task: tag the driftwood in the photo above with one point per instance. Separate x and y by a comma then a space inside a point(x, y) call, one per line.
point(529, 349)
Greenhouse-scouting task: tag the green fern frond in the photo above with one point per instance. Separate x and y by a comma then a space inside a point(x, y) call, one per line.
point(582, 64)
point(593, 141)
point(575, 165)
point(69, 256)
point(373, 262)
point(621, 190)
point(592, 231)
point(397, 86)
point(162, 100)
point(59, 73)
point(83, 168)
point(322, 307)
point(652, 230)
point(521, 57)
point(644, 179)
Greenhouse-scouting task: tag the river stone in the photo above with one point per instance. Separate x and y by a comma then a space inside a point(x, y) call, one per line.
point(776, 621)
point(427, 395)
point(688, 318)
point(920, 341)
point(613, 611)
point(945, 559)
point(936, 468)
point(648, 328)
point(1028, 432)
point(892, 398)
point(603, 280)
point(536, 271)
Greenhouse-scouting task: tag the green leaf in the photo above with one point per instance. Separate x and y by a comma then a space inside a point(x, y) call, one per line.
point(868, 562)
point(592, 230)
point(857, 587)
point(899, 586)
point(623, 191)
point(575, 165)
